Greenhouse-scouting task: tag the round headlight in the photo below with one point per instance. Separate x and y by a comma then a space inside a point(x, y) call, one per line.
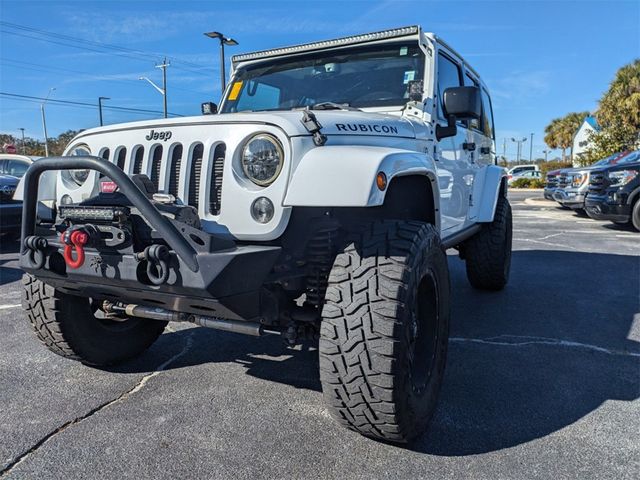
point(262, 159)
point(78, 176)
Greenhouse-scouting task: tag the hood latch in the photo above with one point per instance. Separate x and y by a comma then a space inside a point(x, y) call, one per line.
point(313, 126)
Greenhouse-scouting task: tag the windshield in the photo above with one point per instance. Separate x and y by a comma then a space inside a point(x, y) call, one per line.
point(366, 76)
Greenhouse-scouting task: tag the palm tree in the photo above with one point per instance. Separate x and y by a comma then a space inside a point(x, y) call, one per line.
point(619, 107)
point(560, 131)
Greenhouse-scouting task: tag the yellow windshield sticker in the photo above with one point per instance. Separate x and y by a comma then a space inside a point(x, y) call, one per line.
point(235, 91)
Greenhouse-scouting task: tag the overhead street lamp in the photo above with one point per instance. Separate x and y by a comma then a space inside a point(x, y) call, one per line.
point(44, 122)
point(519, 142)
point(223, 41)
point(100, 99)
point(161, 90)
point(546, 154)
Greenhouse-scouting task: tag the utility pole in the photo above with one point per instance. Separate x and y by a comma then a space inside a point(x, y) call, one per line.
point(531, 149)
point(164, 66)
point(100, 99)
point(44, 122)
point(22, 130)
point(519, 142)
point(223, 41)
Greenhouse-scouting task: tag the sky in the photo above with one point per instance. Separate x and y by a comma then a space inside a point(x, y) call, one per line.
point(540, 59)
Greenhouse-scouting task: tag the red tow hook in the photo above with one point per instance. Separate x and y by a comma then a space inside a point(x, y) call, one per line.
point(77, 239)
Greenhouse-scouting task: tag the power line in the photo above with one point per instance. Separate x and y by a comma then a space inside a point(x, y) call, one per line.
point(81, 104)
point(48, 68)
point(59, 39)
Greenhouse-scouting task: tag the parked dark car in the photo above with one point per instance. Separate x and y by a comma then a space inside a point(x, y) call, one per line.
point(10, 209)
point(614, 192)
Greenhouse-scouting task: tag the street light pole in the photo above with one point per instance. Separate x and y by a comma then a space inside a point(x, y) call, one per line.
point(44, 122)
point(546, 154)
point(162, 92)
point(22, 130)
point(223, 41)
point(100, 99)
point(531, 149)
point(519, 142)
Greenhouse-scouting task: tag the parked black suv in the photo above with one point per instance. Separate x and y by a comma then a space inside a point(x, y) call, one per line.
point(614, 192)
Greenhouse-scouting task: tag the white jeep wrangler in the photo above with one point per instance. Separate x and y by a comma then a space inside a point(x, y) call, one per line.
point(318, 203)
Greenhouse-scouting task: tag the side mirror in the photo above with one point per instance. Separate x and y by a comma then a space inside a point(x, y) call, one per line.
point(460, 103)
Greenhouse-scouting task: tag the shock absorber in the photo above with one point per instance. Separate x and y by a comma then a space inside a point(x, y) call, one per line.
point(320, 255)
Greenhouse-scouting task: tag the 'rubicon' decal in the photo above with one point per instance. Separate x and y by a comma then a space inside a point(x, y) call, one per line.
point(164, 136)
point(366, 127)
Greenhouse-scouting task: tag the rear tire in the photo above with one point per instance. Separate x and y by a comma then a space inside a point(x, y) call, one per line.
point(385, 328)
point(68, 327)
point(488, 253)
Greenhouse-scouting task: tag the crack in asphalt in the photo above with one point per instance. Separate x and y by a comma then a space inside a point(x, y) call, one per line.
point(120, 398)
point(524, 340)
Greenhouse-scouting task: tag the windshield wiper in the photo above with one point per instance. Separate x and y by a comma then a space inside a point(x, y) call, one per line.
point(332, 106)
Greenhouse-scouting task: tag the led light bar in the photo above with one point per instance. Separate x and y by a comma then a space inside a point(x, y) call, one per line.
point(105, 214)
point(354, 39)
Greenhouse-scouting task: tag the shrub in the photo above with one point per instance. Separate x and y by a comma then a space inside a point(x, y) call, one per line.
point(528, 183)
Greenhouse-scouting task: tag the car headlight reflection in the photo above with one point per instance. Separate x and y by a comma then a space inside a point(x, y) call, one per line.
point(262, 159)
point(77, 177)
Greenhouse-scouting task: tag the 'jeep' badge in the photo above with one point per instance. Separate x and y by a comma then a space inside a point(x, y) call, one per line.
point(164, 136)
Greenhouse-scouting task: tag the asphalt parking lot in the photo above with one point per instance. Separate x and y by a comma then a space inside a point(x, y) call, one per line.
point(542, 381)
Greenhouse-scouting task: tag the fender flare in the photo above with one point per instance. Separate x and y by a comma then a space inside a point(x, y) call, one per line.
point(345, 175)
point(487, 187)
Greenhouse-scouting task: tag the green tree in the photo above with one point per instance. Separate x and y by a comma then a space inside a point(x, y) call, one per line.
point(560, 131)
point(619, 115)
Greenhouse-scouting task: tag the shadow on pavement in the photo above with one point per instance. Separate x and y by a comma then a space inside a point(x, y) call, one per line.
point(495, 396)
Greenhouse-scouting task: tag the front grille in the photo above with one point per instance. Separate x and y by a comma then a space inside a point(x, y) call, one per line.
point(564, 180)
point(215, 183)
point(194, 175)
point(156, 163)
point(174, 170)
point(194, 179)
point(597, 182)
point(552, 181)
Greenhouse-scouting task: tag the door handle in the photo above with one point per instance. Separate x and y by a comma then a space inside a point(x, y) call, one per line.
point(470, 147)
point(485, 150)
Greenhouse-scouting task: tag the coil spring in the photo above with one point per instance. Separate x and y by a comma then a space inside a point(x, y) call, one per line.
point(320, 254)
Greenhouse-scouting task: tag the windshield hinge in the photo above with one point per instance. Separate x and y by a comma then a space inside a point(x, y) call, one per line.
point(313, 126)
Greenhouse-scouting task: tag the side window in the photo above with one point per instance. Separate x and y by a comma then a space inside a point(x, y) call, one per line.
point(487, 115)
point(448, 76)
point(16, 168)
point(471, 82)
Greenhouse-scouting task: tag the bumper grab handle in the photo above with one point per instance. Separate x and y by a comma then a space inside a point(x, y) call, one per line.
point(158, 221)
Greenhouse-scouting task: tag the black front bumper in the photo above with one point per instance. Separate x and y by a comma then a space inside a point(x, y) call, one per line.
point(600, 207)
point(208, 275)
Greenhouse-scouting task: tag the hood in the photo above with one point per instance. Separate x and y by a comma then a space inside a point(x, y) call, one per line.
point(9, 180)
point(334, 122)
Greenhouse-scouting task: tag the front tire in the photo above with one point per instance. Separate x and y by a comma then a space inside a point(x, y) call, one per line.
point(488, 253)
point(635, 215)
point(385, 328)
point(67, 326)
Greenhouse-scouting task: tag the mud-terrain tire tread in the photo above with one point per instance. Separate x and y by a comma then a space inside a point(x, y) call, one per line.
point(362, 337)
point(487, 252)
point(49, 313)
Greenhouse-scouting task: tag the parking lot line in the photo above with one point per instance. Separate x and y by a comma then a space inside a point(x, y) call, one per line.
point(6, 307)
